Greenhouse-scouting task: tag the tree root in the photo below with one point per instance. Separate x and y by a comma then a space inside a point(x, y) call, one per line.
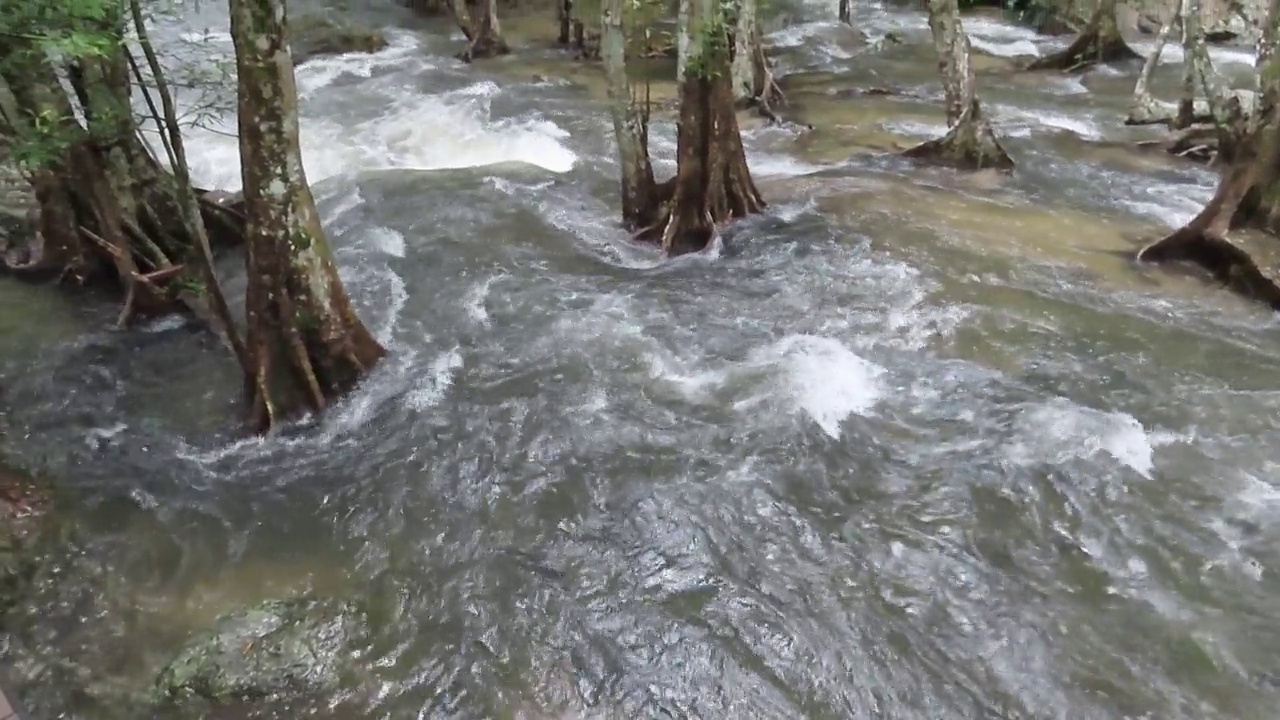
point(1198, 143)
point(1228, 263)
point(1089, 49)
point(970, 145)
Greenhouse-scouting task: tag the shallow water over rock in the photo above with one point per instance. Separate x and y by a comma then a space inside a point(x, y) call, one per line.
point(909, 445)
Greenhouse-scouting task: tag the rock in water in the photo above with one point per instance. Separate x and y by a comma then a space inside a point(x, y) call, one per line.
point(315, 35)
point(277, 649)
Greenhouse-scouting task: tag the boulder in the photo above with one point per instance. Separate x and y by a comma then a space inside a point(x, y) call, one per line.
point(311, 36)
point(279, 649)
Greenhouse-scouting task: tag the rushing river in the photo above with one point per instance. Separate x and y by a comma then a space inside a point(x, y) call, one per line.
point(910, 445)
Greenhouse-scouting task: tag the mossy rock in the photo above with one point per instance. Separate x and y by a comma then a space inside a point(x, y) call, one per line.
point(312, 36)
point(279, 649)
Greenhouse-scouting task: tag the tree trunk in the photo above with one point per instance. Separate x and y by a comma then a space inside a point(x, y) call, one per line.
point(753, 81)
point(713, 184)
point(1246, 194)
point(684, 10)
point(846, 12)
point(970, 143)
point(564, 14)
point(1197, 69)
point(478, 20)
point(305, 343)
point(1100, 42)
point(1145, 109)
point(630, 126)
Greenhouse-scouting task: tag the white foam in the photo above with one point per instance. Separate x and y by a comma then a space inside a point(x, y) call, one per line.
point(768, 165)
point(1017, 122)
point(406, 129)
point(433, 388)
point(475, 300)
point(320, 72)
point(1015, 48)
point(826, 379)
point(1060, 430)
point(996, 30)
point(387, 240)
point(1174, 205)
point(1066, 85)
point(916, 128)
point(1001, 40)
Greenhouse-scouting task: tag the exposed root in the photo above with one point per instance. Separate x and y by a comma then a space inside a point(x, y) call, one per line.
point(1228, 263)
point(1203, 241)
point(1093, 46)
point(713, 184)
point(969, 145)
point(1198, 143)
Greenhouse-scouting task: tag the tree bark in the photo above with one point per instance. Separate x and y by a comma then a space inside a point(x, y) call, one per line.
point(1100, 42)
point(713, 184)
point(846, 12)
point(305, 343)
point(970, 143)
point(630, 126)
point(478, 20)
point(752, 77)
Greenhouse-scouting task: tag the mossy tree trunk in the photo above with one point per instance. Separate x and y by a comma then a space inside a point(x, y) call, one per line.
point(1099, 42)
point(630, 125)
point(752, 77)
point(970, 143)
point(305, 343)
point(713, 184)
point(478, 20)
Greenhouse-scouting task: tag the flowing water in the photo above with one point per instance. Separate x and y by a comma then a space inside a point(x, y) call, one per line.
point(911, 444)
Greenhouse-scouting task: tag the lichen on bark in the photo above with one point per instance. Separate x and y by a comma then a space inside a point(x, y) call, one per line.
point(305, 342)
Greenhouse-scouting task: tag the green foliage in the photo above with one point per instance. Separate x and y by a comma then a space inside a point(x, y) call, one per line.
point(715, 34)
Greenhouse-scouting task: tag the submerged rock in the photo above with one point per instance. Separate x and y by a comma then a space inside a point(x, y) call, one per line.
point(277, 649)
point(311, 36)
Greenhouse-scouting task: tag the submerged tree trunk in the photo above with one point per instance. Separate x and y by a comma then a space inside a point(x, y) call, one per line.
point(1099, 42)
point(305, 343)
point(712, 184)
point(753, 81)
point(478, 20)
point(970, 143)
point(630, 126)
point(1248, 193)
